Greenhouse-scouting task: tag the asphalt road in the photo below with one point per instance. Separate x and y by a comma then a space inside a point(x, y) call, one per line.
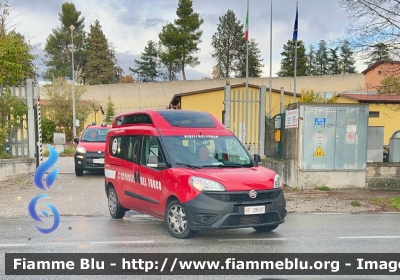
point(92, 230)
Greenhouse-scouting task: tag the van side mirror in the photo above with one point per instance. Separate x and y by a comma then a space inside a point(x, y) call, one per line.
point(153, 162)
point(257, 159)
point(76, 140)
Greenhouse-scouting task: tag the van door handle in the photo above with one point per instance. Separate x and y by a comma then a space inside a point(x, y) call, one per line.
point(115, 164)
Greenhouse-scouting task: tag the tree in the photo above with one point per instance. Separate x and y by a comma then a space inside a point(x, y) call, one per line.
point(333, 61)
point(372, 22)
point(311, 61)
point(227, 42)
point(16, 60)
point(287, 62)
point(255, 66)
point(182, 37)
point(57, 54)
point(147, 66)
point(390, 85)
point(127, 79)
point(311, 96)
point(378, 52)
point(215, 74)
point(101, 66)
point(59, 106)
point(347, 61)
point(322, 58)
point(110, 110)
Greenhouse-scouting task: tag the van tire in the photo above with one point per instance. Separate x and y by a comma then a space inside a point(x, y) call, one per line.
point(78, 172)
point(176, 221)
point(116, 211)
point(265, 228)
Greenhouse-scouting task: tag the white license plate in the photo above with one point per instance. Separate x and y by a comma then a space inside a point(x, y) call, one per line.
point(98, 160)
point(251, 210)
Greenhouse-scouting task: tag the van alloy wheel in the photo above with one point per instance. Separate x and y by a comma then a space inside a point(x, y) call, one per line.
point(176, 221)
point(112, 202)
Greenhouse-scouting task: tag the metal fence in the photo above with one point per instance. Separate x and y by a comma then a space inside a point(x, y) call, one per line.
point(21, 141)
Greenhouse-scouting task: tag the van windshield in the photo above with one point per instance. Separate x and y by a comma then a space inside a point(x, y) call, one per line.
point(95, 135)
point(208, 151)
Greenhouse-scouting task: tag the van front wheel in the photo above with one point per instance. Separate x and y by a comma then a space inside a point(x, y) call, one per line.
point(176, 221)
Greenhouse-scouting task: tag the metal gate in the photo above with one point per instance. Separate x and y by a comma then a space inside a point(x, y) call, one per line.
point(244, 115)
point(21, 141)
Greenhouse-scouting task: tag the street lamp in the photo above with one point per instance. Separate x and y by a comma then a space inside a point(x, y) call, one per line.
point(73, 82)
point(140, 98)
point(179, 61)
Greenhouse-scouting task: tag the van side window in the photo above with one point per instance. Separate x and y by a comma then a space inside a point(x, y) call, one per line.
point(130, 148)
point(151, 152)
point(125, 147)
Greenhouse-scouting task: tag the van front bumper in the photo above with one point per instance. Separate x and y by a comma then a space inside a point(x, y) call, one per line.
point(223, 210)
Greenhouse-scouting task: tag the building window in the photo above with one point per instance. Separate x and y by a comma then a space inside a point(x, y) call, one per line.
point(374, 114)
point(379, 72)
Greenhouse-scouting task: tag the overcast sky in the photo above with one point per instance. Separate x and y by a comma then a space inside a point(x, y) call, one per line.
point(129, 24)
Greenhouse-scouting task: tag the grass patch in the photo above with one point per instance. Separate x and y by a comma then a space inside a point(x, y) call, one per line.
point(389, 202)
point(324, 188)
point(68, 152)
point(355, 203)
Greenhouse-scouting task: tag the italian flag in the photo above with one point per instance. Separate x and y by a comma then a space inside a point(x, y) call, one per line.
point(246, 35)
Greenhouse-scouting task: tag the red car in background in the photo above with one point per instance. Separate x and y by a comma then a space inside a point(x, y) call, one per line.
point(89, 152)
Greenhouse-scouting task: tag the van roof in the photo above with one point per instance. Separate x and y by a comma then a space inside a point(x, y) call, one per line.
point(168, 119)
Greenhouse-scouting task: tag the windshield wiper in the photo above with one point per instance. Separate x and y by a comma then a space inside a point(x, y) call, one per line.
point(188, 165)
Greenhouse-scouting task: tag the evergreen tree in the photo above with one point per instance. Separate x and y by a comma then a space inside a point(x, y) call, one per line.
point(322, 58)
point(57, 54)
point(110, 110)
point(311, 62)
point(333, 61)
point(380, 51)
point(169, 55)
point(255, 60)
point(101, 63)
point(287, 62)
point(226, 43)
point(147, 66)
point(183, 37)
point(347, 60)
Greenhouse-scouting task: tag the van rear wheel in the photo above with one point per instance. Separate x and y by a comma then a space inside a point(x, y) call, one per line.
point(176, 221)
point(116, 211)
point(265, 228)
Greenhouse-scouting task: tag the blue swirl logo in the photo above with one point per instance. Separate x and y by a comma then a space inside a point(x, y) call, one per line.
point(50, 179)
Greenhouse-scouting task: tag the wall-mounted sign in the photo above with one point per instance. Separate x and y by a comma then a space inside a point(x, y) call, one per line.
point(320, 121)
point(292, 119)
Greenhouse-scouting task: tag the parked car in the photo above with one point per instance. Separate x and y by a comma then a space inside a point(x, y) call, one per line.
point(187, 168)
point(89, 152)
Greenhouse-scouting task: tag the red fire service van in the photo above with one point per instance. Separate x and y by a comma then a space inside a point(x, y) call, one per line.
point(187, 168)
point(89, 152)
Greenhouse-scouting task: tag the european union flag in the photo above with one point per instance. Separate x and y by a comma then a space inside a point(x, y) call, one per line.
point(296, 24)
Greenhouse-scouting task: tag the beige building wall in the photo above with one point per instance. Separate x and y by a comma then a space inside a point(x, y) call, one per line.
point(129, 97)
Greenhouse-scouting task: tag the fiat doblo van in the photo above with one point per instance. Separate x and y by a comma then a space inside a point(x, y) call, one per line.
point(187, 168)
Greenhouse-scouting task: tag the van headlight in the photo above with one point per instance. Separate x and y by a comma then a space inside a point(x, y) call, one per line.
point(277, 182)
point(202, 184)
point(81, 149)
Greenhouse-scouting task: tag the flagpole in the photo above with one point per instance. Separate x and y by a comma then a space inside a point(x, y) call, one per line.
point(247, 52)
point(295, 61)
point(270, 67)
